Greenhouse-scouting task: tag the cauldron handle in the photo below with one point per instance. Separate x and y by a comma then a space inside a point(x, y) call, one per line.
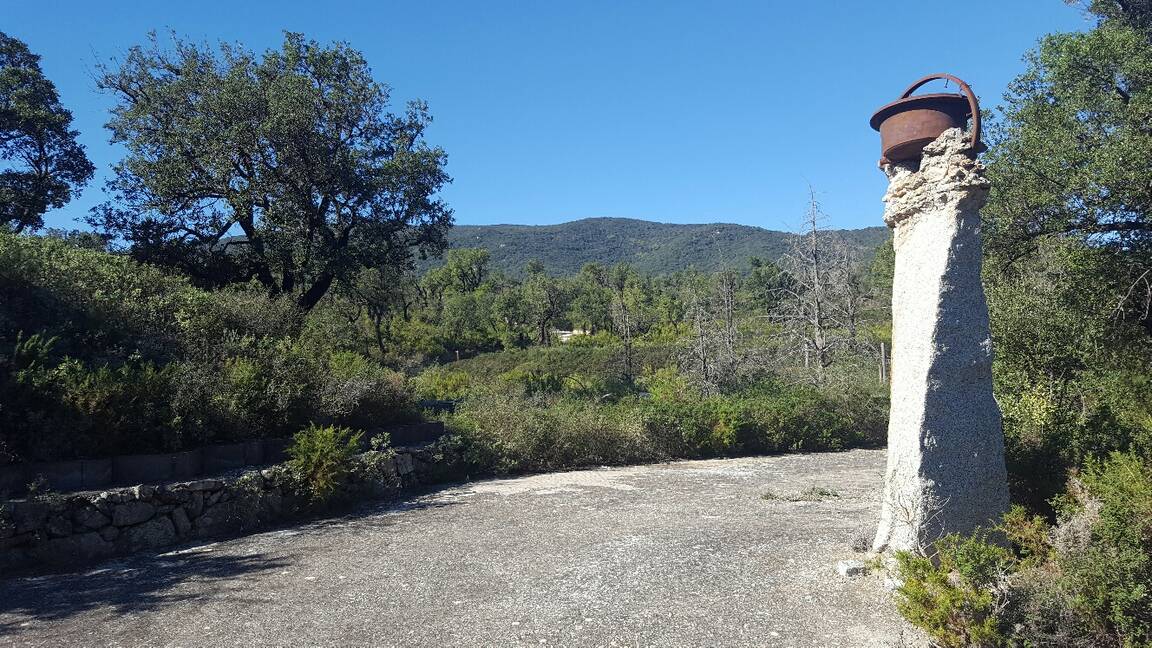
point(973, 105)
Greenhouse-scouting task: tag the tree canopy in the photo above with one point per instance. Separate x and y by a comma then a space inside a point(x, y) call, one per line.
point(1072, 153)
point(41, 164)
point(283, 167)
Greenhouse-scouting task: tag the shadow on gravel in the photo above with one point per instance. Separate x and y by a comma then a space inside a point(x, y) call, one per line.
point(123, 587)
point(146, 582)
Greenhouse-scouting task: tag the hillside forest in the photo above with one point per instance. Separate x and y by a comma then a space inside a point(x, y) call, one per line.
point(274, 255)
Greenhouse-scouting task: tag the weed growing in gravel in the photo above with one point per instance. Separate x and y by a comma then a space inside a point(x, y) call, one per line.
point(811, 494)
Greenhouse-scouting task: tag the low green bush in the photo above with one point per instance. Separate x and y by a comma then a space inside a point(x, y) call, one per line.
point(1085, 581)
point(321, 458)
point(769, 417)
point(505, 432)
point(536, 423)
point(101, 355)
point(1110, 570)
point(356, 391)
point(952, 595)
point(438, 383)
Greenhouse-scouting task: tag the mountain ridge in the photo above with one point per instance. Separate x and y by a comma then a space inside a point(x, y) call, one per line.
point(650, 246)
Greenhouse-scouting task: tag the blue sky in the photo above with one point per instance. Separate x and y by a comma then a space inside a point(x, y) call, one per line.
point(552, 111)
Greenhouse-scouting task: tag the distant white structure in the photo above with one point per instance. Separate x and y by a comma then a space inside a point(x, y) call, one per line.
point(945, 439)
point(564, 336)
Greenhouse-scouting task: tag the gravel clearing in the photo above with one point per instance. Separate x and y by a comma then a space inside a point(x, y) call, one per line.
point(688, 553)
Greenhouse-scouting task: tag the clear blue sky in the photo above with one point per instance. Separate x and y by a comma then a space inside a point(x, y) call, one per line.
point(552, 111)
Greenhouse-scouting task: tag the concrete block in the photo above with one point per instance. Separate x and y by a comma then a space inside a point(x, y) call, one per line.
point(222, 458)
point(189, 464)
point(140, 469)
point(98, 473)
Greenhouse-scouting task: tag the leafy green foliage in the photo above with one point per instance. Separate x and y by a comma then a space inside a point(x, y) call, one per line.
point(1070, 378)
point(102, 355)
point(321, 457)
point(1069, 159)
point(504, 432)
point(950, 596)
point(1110, 571)
point(1086, 581)
point(539, 423)
point(291, 147)
point(1069, 241)
point(41, 164)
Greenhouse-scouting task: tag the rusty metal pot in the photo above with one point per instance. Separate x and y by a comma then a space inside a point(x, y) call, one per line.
point(910, 123)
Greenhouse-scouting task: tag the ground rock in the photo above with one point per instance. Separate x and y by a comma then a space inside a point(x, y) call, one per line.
point(181, 522)
point(204, 485)
point(131, 513)
point(20, 540)
point(29, 516)
point(850, 568)
point(143, 492)
point(58, 526)
point(157, 532)
point(89, 517)
point(74, 548)
point(404, 464)
point(173, 494)
point(195, 505)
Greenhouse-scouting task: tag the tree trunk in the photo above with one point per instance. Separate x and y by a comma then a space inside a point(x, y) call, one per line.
point(315, 292)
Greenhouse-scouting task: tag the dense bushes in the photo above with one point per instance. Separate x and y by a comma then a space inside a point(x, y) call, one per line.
point(100, 355)
point(503, 432)
point(1071, 378)
point(505, 428)
point(1085, 581)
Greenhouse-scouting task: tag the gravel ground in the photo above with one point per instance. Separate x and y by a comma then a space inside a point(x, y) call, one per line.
point(683, 554)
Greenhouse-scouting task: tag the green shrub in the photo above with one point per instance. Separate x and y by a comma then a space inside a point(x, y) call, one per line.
point(1110, 570)
point(1087, 581)
point(504, 432)
point(101, 355)
point(532, 423)
point(535, 381)
point(769, 417)
point(126, 407)
point(97, 304)
point(439, 383)
point(321, 457)
point(953, 597)
point(357, 391)
point(266, 388)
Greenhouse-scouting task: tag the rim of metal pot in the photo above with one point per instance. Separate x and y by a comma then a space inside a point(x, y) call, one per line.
point(973, 104)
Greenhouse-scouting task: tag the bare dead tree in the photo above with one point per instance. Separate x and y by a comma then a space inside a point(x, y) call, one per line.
point(821, 309)
point(698, 358)
point(623, 317)
point(715, 355)
point(724, 299)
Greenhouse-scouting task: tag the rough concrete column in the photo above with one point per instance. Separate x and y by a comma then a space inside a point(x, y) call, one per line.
point(945, 441)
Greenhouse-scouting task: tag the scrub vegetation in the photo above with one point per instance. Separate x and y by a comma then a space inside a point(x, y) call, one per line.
point(274, 260)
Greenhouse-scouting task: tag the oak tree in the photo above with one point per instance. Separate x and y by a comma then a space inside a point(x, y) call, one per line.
point(284, 167)
point(41, 164)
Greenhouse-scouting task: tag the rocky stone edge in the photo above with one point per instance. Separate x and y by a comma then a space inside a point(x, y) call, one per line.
point(78, 528)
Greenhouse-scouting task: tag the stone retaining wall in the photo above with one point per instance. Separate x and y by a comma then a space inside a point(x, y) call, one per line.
point(58, 530)
point(123, 470)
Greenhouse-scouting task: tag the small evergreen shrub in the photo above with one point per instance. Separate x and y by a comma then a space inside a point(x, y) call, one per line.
point(1110, 567)
point(954, 596)
point(1086, 581)
point(321, 458)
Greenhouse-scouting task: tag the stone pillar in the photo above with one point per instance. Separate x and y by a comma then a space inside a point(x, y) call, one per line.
point(945, 440)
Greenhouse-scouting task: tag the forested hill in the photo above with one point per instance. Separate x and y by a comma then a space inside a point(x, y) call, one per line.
point(650, 247)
